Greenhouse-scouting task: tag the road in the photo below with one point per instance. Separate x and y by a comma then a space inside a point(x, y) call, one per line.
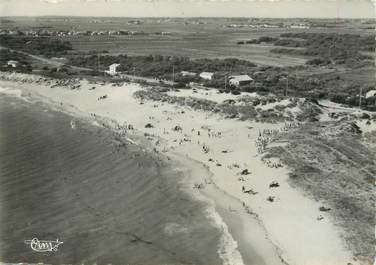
point(45, 60)
point(146, 79)
point(55, 63)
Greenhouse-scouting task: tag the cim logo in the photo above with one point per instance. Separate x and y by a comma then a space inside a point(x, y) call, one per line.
point(43, 245)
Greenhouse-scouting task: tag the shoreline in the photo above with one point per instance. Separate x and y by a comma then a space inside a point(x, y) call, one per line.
point(109, 191)
point(281, 245)
point(232, 258)
point(235, 216)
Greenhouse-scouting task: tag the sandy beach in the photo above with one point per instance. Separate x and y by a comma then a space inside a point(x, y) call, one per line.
point(262, 223)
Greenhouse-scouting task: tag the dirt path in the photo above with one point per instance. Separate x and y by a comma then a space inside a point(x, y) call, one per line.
point(47, 60)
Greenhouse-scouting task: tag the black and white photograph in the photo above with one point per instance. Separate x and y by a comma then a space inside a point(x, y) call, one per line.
point(187, 132)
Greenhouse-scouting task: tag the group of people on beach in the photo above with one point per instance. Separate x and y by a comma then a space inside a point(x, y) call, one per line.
point(271, 164)
point(66, 83)
point(266, 136)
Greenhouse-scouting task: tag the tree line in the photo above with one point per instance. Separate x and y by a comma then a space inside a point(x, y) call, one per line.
point(326, 48)
point(36, 45)
point(162, 67)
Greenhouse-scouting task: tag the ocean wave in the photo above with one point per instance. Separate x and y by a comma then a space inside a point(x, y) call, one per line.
point(228, 247)
point(105, 189)
point(10, 91)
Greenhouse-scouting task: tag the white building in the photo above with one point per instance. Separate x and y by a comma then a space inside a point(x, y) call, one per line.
point(206, 75)
point(112, 69)
point(12, 63)
point(371, 93)
point(186, 73)
point(299, 26)
point(240, 80)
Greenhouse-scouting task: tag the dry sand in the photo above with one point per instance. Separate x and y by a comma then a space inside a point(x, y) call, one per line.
point(285, 231)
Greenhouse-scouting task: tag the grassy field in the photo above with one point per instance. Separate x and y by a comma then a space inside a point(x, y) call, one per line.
point(195, 38)
point(365, 75)
point(197, 45)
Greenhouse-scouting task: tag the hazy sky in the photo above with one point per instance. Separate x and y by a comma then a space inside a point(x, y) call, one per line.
point(191, 8)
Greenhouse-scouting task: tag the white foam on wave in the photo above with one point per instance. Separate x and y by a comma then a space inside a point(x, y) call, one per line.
point(11, 91)
point(228, 247)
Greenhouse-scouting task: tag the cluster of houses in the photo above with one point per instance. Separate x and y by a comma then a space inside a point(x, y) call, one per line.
point(233, 80)
point(266, 25)
point(252, 26)
point(64, 33)
point(299, 26)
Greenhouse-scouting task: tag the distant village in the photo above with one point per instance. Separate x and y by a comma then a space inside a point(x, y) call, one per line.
point(267, 25)
point(65, 33)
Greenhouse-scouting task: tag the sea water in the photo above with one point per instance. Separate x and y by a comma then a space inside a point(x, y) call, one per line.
point(63, 178)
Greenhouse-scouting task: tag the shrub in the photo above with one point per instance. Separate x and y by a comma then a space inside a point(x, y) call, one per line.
point(318, 61)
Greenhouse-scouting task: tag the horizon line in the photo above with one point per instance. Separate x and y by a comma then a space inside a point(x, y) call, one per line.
point(181, 17)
